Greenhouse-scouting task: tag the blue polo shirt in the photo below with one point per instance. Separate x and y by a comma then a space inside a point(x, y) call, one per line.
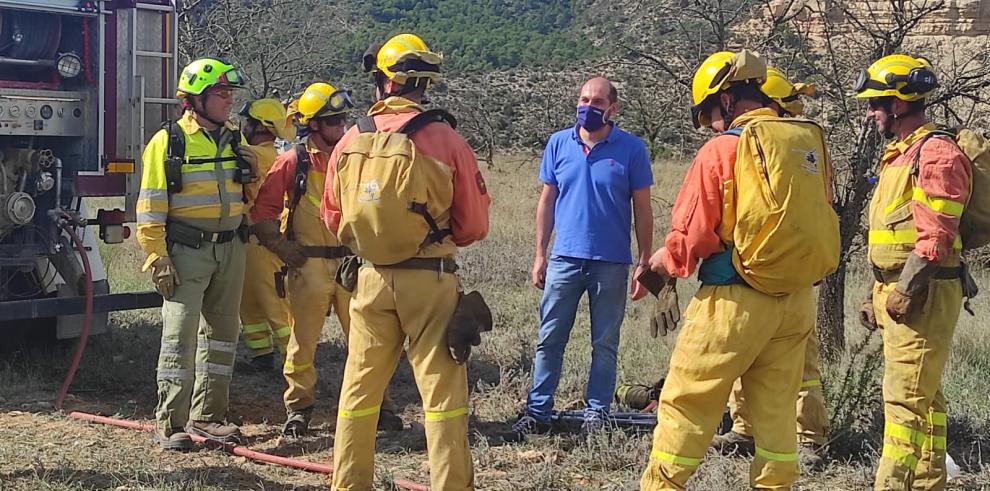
point(593, 214)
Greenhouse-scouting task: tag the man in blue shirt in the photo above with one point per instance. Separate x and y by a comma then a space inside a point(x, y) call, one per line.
point(596, 178)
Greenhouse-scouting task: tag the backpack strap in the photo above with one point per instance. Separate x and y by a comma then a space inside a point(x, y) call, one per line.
point(939, 133)
point(303, 164)
point(734, 131)
point(424, 118)
point(175, 157)
point(415, 124)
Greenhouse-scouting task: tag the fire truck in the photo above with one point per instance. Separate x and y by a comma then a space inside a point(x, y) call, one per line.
point(83, 85)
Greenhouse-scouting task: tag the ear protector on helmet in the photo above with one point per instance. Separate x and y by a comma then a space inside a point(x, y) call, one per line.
point(917, 81)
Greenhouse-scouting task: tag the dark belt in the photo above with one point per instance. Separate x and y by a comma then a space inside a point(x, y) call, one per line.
point(438, 264)
point(893, 275)
point(194, 237)
point(326, 252)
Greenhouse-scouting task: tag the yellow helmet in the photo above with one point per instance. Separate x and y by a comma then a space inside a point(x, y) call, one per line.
point(904, 77)
point(404, 57)
point(785, 93)
point(718, 72)
point(320, 100)
point(272, 115)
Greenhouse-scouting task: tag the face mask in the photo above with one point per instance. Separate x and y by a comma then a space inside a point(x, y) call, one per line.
point(590, 118)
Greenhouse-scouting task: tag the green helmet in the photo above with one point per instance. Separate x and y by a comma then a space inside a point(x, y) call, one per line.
point(204, 73)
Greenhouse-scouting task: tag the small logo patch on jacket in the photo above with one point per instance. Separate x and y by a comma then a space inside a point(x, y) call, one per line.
point(371, 192)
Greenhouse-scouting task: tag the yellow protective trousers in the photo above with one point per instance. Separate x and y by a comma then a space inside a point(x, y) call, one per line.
point(812, 419)
point(914, 408)
point(264, 315)
point(196, 359)
point(733, 332)
point(391, 306)
point(313, 293)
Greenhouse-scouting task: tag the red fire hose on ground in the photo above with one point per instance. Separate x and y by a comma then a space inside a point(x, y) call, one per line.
point(133, 425)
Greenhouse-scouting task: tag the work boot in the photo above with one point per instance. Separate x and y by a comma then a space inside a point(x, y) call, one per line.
point(734, 443)
point(811, 457)
point(527, 424)
point(297, 422)
point(176, 439)
point(263, 363)
point(389, 421)
point(215, 430)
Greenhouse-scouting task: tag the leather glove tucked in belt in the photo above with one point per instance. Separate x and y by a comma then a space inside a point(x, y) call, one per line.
point(164, 276)
point(666, 310)
point(290, 252)
point(867, 316)
point(471, 318)
point(912, 289)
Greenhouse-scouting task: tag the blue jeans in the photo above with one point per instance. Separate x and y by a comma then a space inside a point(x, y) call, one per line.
point(567, 279)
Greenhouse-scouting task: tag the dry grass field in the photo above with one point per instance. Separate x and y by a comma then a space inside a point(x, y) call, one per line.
point(43, 449)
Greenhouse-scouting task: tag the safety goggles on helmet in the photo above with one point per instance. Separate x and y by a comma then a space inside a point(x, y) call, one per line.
point(917, 81)
point(232, 78)
point(700, 112)
point(338, 102)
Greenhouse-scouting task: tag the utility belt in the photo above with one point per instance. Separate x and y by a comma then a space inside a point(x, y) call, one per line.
point(190, 236)
point(439, 264)
point(326, 252)
point(893, 275)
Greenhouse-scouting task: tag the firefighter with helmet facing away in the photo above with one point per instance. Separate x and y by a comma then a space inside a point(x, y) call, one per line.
point(406, 194)
point(191, 225)
point(755, 310)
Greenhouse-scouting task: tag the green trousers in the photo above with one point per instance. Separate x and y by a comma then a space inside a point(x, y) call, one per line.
point(199, 334)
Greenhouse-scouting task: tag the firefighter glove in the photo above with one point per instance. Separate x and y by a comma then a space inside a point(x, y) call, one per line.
point(666, 310)
point(250, 157)
point(347, 272)
point(867, 316)
point(290, 252)
point(164, 276)
point(912, 289)
point(471, 318)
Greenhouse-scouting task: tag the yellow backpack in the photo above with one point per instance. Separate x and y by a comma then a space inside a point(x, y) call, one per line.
point(785, 232)
point(390, 194)
point(974, 227)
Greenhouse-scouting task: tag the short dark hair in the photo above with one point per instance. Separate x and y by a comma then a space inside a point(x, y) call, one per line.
point(750, 92)
point(613, 93)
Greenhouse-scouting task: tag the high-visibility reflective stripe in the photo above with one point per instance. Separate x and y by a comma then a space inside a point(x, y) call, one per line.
point(205, 175)
point(283, 332)
point(253, 328)
point(171, 348)
point(293, 368)
point(902, 237)
point(223, 346)
point(936, 418)
point(778, 457)
point(898, 454)
point(265, 342)
point(152, 217)
point(939, 443)
point(904, 198)
point(312, 199)
point(675, 459)
point(153, 194)
point(940, 205)
point(215, 369)
point(359, 413)
point(442, 415)
point(903, 433)
point(207, 166)
point(811, 383)
point(179, 200)
point(174, 374)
